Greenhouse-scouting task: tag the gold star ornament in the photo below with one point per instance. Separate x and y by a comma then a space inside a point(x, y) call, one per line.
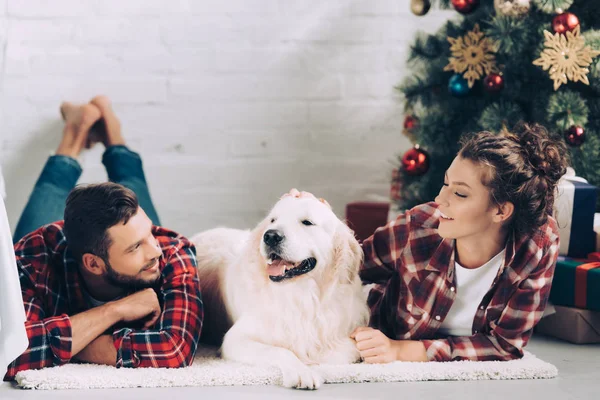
point(472, 54)
point(567, 57)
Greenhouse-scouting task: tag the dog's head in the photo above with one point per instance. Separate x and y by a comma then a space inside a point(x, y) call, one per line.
point(302, 236)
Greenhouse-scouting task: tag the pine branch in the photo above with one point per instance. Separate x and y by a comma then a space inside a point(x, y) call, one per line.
point(567, 108)
point(426, 48)
point(444, 4)
point(594, 114)
point(508, 33)
point(592, 38)
point(588, 12)
point(551, 6)
point(426, 86)
point(501, 114)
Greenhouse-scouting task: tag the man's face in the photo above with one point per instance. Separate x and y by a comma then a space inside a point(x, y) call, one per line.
point(134, 255)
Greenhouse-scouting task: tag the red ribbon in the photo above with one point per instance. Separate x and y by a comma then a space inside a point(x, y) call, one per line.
point(595, 256)
point(581, 283)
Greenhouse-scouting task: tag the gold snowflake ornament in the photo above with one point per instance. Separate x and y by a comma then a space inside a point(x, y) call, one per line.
point(567, 57)
point(473, 53)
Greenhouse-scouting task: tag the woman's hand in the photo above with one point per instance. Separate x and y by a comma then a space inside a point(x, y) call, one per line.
point(299, 195)
point(376, 348)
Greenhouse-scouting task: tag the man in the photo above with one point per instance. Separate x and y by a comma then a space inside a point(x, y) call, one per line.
point(107, 285)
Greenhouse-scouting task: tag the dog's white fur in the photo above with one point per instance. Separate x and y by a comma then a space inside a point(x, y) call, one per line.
point(294, 323)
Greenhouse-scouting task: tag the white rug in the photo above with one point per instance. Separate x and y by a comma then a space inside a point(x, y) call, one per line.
point(207, 370)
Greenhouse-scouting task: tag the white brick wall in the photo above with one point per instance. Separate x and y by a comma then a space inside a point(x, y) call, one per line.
point(230, 102)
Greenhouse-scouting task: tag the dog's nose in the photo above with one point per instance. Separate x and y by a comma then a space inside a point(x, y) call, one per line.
point(272, 237)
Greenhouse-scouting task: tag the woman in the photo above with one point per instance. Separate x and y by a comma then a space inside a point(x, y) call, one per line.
point(468, 276)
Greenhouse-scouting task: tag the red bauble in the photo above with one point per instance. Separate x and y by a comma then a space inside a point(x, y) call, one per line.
point(565, 22)
point(493, 83)
point(410, 122)
point(575, 135)
point(465, 6)
point(415, 161)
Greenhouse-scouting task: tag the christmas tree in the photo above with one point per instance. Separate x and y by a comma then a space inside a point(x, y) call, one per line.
point(496, 63)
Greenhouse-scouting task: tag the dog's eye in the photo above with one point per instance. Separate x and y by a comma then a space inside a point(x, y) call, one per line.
point(307, 222)
point(272, 220)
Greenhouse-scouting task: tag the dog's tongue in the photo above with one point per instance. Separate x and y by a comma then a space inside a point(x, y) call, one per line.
point(277, 268)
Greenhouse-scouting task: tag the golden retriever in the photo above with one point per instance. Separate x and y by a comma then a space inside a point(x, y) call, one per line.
point(286, 293)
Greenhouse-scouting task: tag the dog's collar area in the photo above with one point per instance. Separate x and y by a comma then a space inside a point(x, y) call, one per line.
point(305, 267)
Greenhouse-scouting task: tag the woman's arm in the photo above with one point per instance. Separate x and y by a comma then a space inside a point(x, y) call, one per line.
point(382, 250)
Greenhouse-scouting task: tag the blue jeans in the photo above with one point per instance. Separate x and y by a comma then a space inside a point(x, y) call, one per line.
point(59, 176)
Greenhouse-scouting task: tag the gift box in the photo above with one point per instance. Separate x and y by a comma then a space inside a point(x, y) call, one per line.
point(597, 230)
point(364, 217)
point(574, 207)
point(576, 283)
point(571, 324)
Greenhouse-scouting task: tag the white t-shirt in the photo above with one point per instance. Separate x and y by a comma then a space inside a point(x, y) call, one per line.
point(471, 286)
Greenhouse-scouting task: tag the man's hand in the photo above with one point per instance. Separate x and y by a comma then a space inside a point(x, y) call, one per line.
point(89, 325)
point(375, 347)
point(142, 304)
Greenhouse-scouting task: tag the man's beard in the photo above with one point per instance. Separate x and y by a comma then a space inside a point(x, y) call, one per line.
point(125, 281)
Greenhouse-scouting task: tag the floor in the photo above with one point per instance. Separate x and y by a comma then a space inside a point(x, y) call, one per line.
point(578, 365)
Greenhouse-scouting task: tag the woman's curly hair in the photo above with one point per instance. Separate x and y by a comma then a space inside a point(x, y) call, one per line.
point(524, 168)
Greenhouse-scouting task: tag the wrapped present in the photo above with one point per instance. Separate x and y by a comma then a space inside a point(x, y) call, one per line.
point(576, 283)
point(597, 230)
point(574, 207)
point(395, 194)
point(365, 216)
point(571, 324)
point(396, 186)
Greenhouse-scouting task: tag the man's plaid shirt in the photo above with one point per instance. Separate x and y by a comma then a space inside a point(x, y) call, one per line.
point(53, 290)
point(413, 269)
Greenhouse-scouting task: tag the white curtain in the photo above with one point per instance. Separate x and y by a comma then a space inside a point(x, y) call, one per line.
point(13, 337)
point(2, 186)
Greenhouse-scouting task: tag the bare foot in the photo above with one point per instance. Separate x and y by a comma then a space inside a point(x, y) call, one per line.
point(78, 121)
point(110, 128)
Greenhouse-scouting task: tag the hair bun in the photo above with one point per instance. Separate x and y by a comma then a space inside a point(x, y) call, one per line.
point(541, 167)
point(523, 166)
point(546, 154)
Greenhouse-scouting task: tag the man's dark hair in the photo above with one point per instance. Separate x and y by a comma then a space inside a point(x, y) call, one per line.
point(90, 211)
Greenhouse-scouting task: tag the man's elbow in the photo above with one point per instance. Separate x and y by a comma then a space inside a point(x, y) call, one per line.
point(187, 356)
point(182, 355)
point(10, 376)
point(180, 359)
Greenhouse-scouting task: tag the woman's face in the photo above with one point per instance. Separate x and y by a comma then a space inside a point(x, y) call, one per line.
point(465, 202)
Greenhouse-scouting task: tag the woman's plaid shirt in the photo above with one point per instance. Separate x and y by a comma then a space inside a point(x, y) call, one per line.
point(412, 268)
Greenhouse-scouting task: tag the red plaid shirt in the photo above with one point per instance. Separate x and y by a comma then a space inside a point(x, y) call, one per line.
point(412, 268)
point(53, 290)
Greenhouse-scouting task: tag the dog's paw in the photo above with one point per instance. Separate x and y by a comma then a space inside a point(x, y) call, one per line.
point(301, 377)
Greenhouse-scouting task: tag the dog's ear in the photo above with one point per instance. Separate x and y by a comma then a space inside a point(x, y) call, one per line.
point(347, 254)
